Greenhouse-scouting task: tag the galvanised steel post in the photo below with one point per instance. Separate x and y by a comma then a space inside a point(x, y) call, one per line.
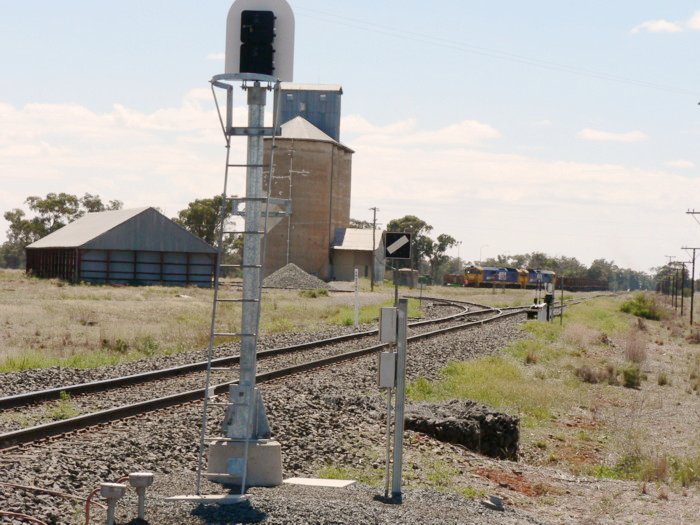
point(252, 250)
point(401, 347)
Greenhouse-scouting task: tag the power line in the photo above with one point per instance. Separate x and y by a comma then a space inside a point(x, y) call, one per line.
point(489, 52)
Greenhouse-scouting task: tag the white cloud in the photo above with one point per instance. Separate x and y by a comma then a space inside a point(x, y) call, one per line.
point(680, 163)
point(666, 26)
point(658, 26)
point(609, 136)
point(509, 201)
point(694, 22)
point(171, 156)
point(407, 132)
point(216, 56)
point(163, 158)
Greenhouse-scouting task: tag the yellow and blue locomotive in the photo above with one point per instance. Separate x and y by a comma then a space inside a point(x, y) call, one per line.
point(513, 277)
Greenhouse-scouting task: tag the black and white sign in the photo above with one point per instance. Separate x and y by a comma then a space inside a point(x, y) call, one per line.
point(398, 245)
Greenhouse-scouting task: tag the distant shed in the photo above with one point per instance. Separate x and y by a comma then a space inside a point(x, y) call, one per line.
point(137, 246)
point(352, 248)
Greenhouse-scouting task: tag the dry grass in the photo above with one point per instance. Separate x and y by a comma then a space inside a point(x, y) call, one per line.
point(580, 336)
point(635, 346)
point(46, 322)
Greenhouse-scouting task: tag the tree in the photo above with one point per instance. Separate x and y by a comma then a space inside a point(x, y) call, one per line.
point(51, 213)
point(202, 218)
point(362, 225)
point(93, 203)
point(436, 255)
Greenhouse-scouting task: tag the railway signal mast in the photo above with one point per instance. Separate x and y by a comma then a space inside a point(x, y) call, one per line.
point(259, 55)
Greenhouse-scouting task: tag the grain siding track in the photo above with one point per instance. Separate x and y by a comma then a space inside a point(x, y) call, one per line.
point(39, 432)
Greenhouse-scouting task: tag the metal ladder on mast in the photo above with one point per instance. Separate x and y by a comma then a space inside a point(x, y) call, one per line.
point(241, 397)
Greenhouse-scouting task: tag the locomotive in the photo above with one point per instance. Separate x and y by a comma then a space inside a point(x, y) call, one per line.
point(493, 276)
point(520, 278)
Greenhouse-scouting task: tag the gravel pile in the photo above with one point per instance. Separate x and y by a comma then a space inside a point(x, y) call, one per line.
point(293, 277)
point(331, 417)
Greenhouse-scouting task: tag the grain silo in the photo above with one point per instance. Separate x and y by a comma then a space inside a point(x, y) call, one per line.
point(314, 171)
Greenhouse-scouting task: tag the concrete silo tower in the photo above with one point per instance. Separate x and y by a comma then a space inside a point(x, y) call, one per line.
point(314, 171)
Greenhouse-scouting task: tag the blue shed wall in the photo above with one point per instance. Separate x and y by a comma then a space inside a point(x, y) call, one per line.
point(143, 267)
point(321, 108)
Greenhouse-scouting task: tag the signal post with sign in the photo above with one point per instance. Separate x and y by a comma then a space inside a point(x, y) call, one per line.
point(259, 55)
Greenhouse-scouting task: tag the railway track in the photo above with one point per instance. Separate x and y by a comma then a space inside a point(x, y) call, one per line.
point(104, 385)
point(98, 417)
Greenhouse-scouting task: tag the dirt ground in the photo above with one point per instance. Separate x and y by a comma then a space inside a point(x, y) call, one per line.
point(561, 475)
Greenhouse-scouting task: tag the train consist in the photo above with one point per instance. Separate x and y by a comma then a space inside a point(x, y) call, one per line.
point(490, 276)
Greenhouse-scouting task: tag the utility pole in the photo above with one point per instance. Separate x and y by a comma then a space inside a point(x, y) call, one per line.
point(668, 276)
point(692, 283)
point(682, 290)
point(374, 244)
point(682, 285)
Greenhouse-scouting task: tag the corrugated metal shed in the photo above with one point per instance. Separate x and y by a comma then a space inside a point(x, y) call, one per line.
point(133, 229)
point(137, 246)
point(317, 103)
point(353, 249)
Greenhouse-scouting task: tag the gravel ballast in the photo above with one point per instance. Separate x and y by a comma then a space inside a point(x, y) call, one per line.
point(331, 417)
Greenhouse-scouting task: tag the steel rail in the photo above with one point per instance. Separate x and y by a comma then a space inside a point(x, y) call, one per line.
point(47, 430)
point(103, 385)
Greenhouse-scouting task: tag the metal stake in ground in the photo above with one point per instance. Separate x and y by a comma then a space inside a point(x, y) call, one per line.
point(401, 345)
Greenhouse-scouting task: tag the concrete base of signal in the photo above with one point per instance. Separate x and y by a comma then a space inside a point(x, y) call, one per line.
point(264, 463)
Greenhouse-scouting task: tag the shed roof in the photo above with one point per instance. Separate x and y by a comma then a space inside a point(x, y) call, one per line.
point(292, 86)
point(356, 239)
point(301, 129)
point(143, 229)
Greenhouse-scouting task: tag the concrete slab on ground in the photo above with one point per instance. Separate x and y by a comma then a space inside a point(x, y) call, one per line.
point(317, 482)
point(211, 499)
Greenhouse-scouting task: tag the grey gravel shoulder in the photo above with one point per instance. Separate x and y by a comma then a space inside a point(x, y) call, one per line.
point(354, 505)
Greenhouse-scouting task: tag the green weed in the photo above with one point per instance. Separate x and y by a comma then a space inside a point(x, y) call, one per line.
point(642, 305)
point(63, 408)
point(600, 314)
point(631, 376)
point(498, 383)
point(472, 493)
point(686, 471)
point(368, 476)
point(440, 474)
point(345, 315)
point(313, 294)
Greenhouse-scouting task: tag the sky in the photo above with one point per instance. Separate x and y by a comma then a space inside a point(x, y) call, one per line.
point(569, 128)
